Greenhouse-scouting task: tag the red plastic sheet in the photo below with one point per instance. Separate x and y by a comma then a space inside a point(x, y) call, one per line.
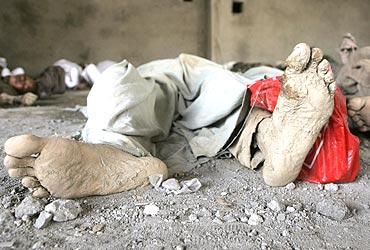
point(335, 155)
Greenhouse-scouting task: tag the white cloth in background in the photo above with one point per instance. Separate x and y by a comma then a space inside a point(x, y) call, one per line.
point(3, 62)
point(261, 72)
point(5, 72)
point(15, 72)
point(72, 72)
point(92, 72)
point(134, 108)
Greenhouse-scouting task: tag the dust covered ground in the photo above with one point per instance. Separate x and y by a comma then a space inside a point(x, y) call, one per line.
point(214, 217)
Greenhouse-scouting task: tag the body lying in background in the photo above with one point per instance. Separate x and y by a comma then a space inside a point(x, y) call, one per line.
point(354, 80)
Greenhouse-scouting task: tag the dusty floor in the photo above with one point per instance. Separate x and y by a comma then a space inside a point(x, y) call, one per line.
point(230, 193)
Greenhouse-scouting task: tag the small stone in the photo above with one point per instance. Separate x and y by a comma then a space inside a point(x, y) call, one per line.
point(244, 219)
point(6, 201)
point(253, 232)
point(64, 210)
point(43, 220)
point(97, 228)
point(193, 217)
point(332, 208)
point(219, 214)
point(26, 218)
point(276, 205)
point(298, 206)
point(151, 209)
point(229, 218)
point(155, 180)
point(285, 233)
point(290, 186)
point(331, 187)
point(223, 193)
point(18, 222)
point(255, 220)
point(171, 184)
point(38, 245)
point(217, 220)
point(6, 218)
point(264, 245)
point(290, 209)
point(206, 212)
point(281, 217)
point(179, 247)
point(29, 206)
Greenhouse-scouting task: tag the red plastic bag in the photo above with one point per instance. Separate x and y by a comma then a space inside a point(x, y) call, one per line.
point(335, 155)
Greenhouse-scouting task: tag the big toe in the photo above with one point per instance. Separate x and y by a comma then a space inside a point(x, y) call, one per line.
point(297, 61)
point(23, 145)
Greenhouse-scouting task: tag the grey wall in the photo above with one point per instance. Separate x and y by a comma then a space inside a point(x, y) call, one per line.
point(35, 33)
point(268, 29)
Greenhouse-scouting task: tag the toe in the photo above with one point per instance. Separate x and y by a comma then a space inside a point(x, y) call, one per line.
point(21, 172)
point(12, 162)
point(325, 72)
point(360, 123)
point(355, 104)
point(30, 182)
point(323, 68)
point(40, 192)
point(298, 59)
point(316, 57)
point(364, 128)
point(354, 116)
point(23, 145)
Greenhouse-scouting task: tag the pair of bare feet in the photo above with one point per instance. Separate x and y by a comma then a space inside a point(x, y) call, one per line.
point(70, 169)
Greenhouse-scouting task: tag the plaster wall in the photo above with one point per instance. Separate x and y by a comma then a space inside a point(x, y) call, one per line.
point(36, 33)
point(267, 30)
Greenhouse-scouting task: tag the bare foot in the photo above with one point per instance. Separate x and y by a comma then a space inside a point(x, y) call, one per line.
point(359, 111)
point(69, 169)
point(304, 106)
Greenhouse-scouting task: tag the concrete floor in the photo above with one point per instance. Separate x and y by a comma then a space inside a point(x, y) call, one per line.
point(212, 218)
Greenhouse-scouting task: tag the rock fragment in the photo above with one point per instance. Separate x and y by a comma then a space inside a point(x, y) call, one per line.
point(255, 220)
point(64, 210)
point(43, 220)
point(193, 217)
point(333, 209)
point(151, 209)
point(29, 206)
point(290, 209)
point(6, 219)
point(217, 220)
point(290, 186)
point(171, 184)
point(276, 205)
point(97, 228)
point(229, 218)
point(7, 201)
point(281, 217)
point(244, 219)
point(331, 187)
point(38, 245)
